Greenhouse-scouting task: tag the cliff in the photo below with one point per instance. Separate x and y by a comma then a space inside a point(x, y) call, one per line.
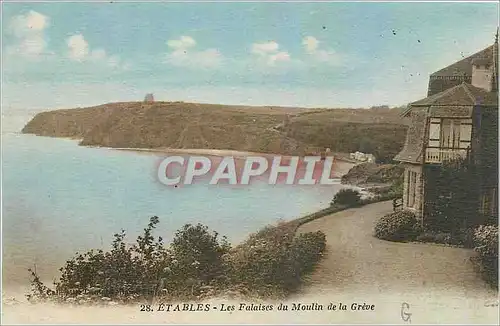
point(371, 173)
point(192, 125)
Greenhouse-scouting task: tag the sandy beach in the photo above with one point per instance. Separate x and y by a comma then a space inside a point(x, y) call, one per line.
point(341, 165)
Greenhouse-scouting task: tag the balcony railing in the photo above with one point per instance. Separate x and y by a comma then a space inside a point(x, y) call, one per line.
point(437, 155)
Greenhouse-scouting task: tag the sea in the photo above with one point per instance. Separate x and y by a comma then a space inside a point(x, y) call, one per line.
point(59, 198)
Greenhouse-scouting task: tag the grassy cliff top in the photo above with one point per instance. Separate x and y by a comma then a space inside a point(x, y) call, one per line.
point(284, 130)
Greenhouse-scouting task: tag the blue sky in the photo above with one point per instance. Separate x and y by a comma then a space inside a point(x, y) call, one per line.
point(294, 54)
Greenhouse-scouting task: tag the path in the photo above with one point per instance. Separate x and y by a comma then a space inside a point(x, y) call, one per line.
point(431, 276)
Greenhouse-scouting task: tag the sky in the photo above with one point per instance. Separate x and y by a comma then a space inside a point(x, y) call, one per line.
point(316, 54)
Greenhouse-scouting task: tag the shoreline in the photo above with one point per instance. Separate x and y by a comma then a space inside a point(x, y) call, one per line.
point(197, 151)
point(218, 152)
point(343, 165)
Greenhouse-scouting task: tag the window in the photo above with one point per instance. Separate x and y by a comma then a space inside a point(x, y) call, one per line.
point(486, 204)
point(489, 203)
point(408, 187)
point(412, 188)
point(450, 133)
point(494, 202)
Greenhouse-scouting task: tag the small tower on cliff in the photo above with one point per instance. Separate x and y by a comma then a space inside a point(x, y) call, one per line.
point(149, 98)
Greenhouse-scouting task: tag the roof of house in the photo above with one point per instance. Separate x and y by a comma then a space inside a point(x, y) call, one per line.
point(460, 71)
point(413, 147)
point(461, 95)
point(450, 94)
point(464, 66)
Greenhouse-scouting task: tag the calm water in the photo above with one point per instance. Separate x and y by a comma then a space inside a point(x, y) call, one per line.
point(59, 198)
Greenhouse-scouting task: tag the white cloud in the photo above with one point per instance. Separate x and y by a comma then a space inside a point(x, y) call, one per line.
point(32, 46)
point(268, 53)
point(328, 56)
point(29, 30)
point(79, 50)
point(98, 54)
point(114, 61)
point(32, 22)
point(184, 42)
point(310, 43)
point(278, 57)
point(265, 48)
point(311, 46)
point(78, 47)
point(184, 54)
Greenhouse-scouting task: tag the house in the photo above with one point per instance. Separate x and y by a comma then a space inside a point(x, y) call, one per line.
point(370, 158)
point(359, 156)
point(458, 118)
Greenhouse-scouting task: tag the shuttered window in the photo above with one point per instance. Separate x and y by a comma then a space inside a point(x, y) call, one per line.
point(465, 133)
point(434, 132)
point(454, 133)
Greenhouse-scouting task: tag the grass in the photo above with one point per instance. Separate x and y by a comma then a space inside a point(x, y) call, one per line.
point(208, 126)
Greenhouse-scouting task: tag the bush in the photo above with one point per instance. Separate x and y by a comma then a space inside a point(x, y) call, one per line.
point(486, 245)
point(197, 264)
point(435, 237)
point(273, 261)
point(144, 270)
point(124, 273)
point(197, 259)
point(486, 240)
point(347, 197)
point(398, 226)
point(463, 237)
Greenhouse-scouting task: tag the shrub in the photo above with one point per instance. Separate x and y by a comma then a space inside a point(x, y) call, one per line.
point(486, 245)
point(124, 273)
point(347, 197)
point(435, 237)
point(398, 226)
point(197, 259)
point(273, 261)
point(197, 264)
point(486, 240)
point(141, 271)
point(454, 201)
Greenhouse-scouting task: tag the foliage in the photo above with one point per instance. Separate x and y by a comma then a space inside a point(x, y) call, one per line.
point(398, 226)
point(197, 257)
point(349, 197)
point(454, 199)
point(384, 140)
point(486, 245)
point(196, 264)
point(141, 271)
point(371, 173)
point(486, 240)
point(396, 189)
point(273, 261)
point(462, 238)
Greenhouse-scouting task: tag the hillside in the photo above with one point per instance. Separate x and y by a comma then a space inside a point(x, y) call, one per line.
point(371, 173)
point(258, 129)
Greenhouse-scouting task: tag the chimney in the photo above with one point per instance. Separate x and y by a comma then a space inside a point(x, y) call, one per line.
point(482, 73)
